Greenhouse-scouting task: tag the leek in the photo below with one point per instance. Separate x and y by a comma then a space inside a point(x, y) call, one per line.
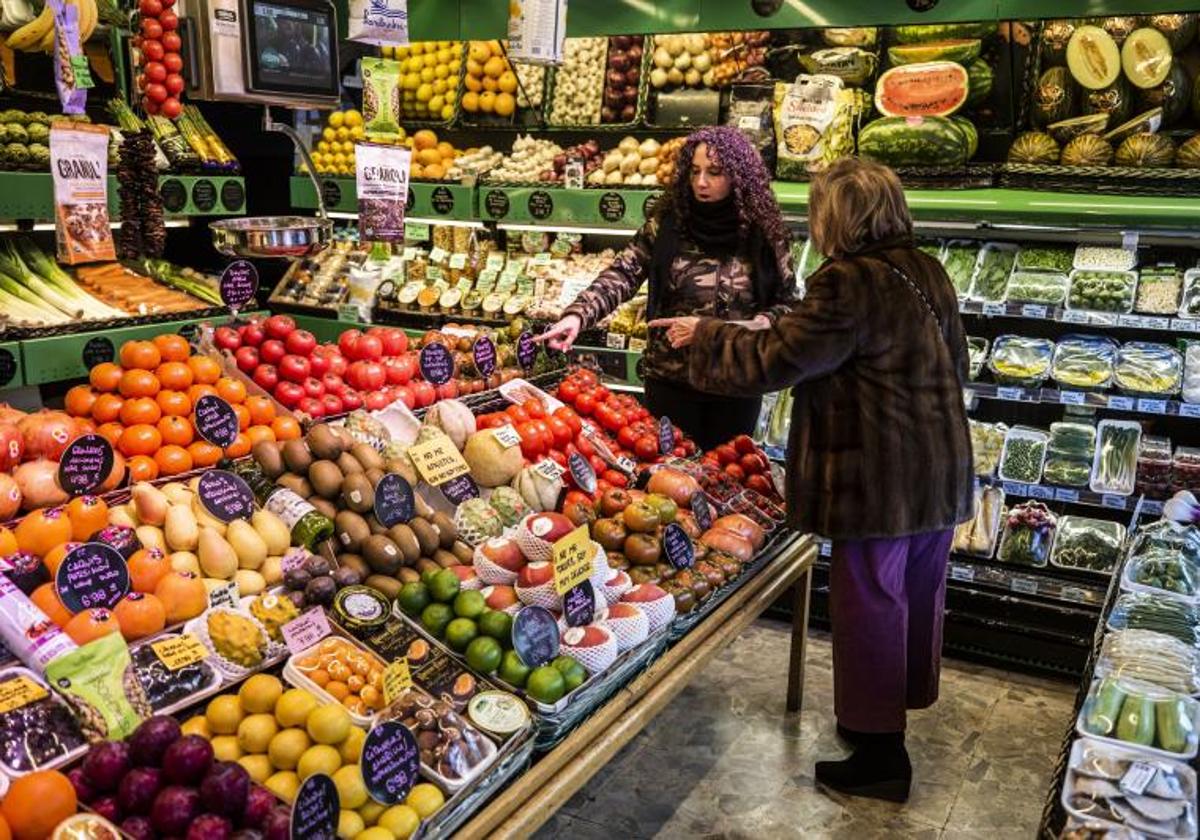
point(37, 264)
point(20, 303)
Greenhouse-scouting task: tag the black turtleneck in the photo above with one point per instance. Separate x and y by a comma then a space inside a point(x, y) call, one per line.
point(713, 225)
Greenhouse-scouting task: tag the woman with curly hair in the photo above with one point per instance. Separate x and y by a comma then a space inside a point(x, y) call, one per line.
point(716, 246)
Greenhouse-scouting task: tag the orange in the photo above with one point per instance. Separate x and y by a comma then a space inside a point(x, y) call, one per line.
point(117, 477)
point(42, 530)
point(243, 416)
point(285, 428)
point(175, 375)
point(45, 597)
point(140, 615)
point(142, 439)
point(147, 567)
point(84, 426)
point(140, 354)
point(262, 410)
point(79, 401)
point(8, 542)
point(206, 371)
point(142, 468)
point(111, 431)
point(257, 434)
point(53, 558)
point(37, 802)
point(105, 376)
point(90, 625)
point(197, 391)
point(139, 383)
point(5, 831)
point(231, 390)
point(140, 410)
point(183, 596)
point(88, 514)
point(107, 408)
point(204, 454)
point(172, 460)
point(176, 430)
point(239, 448)
point(424, 139)
point(174, 403)
point(172, 347)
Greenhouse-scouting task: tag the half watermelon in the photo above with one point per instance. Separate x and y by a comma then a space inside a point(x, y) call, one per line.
point(927, 89)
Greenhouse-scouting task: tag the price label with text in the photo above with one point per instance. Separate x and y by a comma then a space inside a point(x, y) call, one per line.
point(579, 604)
point(438, 255)
point(225, 595)
point(1074, 316)
point(302, 633)
point(506, 436)
point(1185, 325)
point(1013, 488)
point(216, 421)
point(535, 636)
point(1023, 585)
point(962, 573)
point(1062, 494)
point(1121, 403)
point(995, 309)
point(438, 460)
point(1008, 393)
point(1189, 410)
point(1109, 500)
point(548, 469)
point(316, 809)
point(1033, 310)
point(394, 500)
point(1152, 406)
point(390, 762)
point(582, 472)
point(573, 559)
point(1071, 397)
point(85, 464)
point(92, 575)
point(677, 546)
point(180, 651)
point(458, 261)
point(397, 679)
point(19, 691)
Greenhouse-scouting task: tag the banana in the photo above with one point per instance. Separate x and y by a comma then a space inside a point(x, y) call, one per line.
point(88, 15)
point(29, 36)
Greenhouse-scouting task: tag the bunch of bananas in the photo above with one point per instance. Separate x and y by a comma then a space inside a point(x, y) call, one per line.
point(38, 34)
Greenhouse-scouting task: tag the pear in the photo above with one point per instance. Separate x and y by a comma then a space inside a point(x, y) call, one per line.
point(150, 503)
point(181, 529)
point(185, 561)
point(151, 536)
point(271, 528)
point(206, 519)
point(251, 549)
point(217, 557)
point(121, 515)
point(249, 582)
point(177, 493)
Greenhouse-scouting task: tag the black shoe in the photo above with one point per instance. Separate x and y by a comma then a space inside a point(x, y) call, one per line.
point(879, 769)
point(849, 736)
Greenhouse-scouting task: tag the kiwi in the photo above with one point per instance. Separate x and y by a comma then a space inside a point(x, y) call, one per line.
point(355, 561)
point(381, 554)
point(324, 506)
point(422, 507)
point(408, 575)
point(269, 457)
point(426, 565)
point(388, 586)
point(350, 530)
point(325, 478)
point(375, 525)
point(445, 559)
point(323, 442)
point(296, 483)
point(344, 436)
point(426, 536)
point(358, 493)
point(406, 540)
point(297, 457)
point(374, 476)
point(366, 455)
point(463, 552)
point(444, 525)
point(347, 463)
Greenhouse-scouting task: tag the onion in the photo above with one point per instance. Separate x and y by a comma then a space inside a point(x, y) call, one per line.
point(10, 497)
point(743, 526)
point(47, 433)
point(728, 542)
point(38, 483)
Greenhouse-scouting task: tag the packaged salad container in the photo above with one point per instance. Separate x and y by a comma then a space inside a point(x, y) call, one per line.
point(1191, 373)
point(1060, 260)
point(1148, 368)
point(1160, 288)
point(1102, 291)
point(1018, 360)
point(1084, 361)
point(990, 280)
point(959, 257)
point(1189, 304)
point(977, 351)
point(1162, 572)
point(1090, 545)
point(1023, 455)
point(1046, 287)
point(1114, 468)
point(1132, 713)
point(987, 442)
point(1104, 259)
point(978, 536)
point(1028, 535)
point(1069, 454)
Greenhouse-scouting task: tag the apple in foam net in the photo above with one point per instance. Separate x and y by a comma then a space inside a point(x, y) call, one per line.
point(504, 552)
point(535, 574)
point(499, 597)
point(465, 573)
point(549, 527)
point(623, 610)
point(645, 593)
point(589, 635)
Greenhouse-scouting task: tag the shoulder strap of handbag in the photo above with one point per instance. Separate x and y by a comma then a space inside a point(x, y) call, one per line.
point(916, 290)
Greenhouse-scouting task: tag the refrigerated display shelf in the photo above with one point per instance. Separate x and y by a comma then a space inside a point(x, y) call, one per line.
point(1041, 312)
point(1116, 402)
point(1075, 496)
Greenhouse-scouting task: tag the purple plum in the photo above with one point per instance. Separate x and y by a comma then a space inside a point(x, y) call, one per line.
point(187, 760)
point(151, 739)
point(138, 789)
point(279, 824)
point(225, 789)
point(247, 834)
point(139, 828)
point(83, 790)
point(105, 765)
point(174, 809)
point(209, 827)
point(259, 804)
point(107, 807)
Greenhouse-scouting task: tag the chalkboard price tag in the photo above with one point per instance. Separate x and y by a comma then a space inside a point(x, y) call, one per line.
point(702, 510)
point(92, 575)
point(98, 350)
point(582, 473)
point(216, 421)
point(485, 355)
point(579, 604)
point(526, 350)
point(239, 282)
point(394, 502)
point(225, 496)
point(458, 490)
point(85, 464)
point(390, 762)
point(315, 809)
point(535, 636)
point(437, 365)
point(666, 435)
point(677, 545)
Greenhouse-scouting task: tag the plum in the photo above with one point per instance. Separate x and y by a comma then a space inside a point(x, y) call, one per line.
point(139, 828)
point(225, 789)
point(151, 739)
point(138, 789)
point(247, 834)
point(259, 804)
point(187, 760)
point(107, 807)
point(279, 824)
point(174, 809)
point(106, 764)
point(84, 792)
point(209, 827)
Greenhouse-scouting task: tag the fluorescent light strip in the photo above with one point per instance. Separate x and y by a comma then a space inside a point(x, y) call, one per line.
point(465, 223)
point(568, 229)
point(171, 223)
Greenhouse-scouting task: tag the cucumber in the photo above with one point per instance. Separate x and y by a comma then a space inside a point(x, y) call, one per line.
point(1174, 725)
point(1136, 723)
point(1106, 705)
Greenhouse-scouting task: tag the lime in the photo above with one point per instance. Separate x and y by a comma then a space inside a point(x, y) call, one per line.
point(512, 670)
point(428, 575)
point(444, 585)
point(460, 632)
point(484, 654)
point(573, 673)
point(413, 598)
point(469, 604)
point(546, 685)
point(498, 625)
point(435, 617)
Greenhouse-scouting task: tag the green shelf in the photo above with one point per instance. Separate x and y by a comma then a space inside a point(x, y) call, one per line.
point(449, 201)
point(30, 195)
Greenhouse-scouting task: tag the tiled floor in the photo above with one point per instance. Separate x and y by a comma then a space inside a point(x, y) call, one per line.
point(724, 760)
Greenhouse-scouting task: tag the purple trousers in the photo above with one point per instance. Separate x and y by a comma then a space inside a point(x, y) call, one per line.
point(886, 600)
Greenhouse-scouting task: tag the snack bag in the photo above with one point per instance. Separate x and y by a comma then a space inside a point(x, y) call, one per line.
point(382, 179)
point(79, 163)
point(100, 683)
point(379, 22)
point(381, 99)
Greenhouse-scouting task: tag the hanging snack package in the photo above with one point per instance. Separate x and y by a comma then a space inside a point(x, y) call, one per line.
point(101, 684)
point(71, 75)
point(382, 181)
point(381, 99)
point(814, 117)
point(379, 22)
point(79, 162)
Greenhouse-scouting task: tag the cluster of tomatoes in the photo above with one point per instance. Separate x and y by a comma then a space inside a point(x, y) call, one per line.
point(745, 463)
point(161, 80)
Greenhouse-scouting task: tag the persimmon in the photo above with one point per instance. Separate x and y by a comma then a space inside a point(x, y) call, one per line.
point(53, 558)
point(8, 542)
point(89, 625)
point(139, 383)
point(183, 596)
point(285, 428)
point(140, 410)
point(262, 410)
point(175, 375)
point(88, 514)
point(199, 390)
point(117, 476)
point(174, 403)
point(176, 430)
point(142, 468)
point(111, 432)
point(147, 566)
point(233, 391)
point(140, 614)
point(42, 530)
point(205, 371)
point(257, 434)
point(46, 599)
point(107, 408)
point(172, 460)
point(105, 377)
point(142, 439)
point(79, 401)
point(172, 347)
point(240, 446)
point(204, 454)
point(142, 355)
point(243, 416)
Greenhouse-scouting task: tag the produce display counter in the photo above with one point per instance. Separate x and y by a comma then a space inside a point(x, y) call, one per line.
point(521, 808)
point(30, 195)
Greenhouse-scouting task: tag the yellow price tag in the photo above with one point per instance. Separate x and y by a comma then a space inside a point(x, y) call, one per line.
point(573, 559)
point(438, 460)
point(396, 680)
point(180, 652)
point(18, 692)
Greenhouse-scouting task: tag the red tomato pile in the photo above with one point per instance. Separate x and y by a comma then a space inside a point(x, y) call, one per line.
point(555, 435)
point(745, 463)
point(161, 80)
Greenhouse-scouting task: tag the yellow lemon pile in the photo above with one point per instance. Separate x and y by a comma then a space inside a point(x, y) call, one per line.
point(429, 80)
point(490, 85)
point(334, 152)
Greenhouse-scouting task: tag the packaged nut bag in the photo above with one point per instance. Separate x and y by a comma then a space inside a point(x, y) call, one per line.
point(79, 161)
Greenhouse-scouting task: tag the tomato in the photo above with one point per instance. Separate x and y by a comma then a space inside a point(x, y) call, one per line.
point(153, 51)
point(568, 416)
point(577, 496)
point(561, 431)
point(568, 392)
point(544, 432)
point(534, 408)
point(585, 404)
point(169, 21)
point(587, 378)
point(487, 421)
point(171, 42)
point(627, 437)
point(155, 72)
point(646, 448)
point(171, 61)
point(616, 478)
point(174, 84)
point(597, 464)
point(153, 30)
point(531, 440)
point(150, 8)
point(612, 419)
point(558, 458)
point(171, 108)
point(517, 414)
point(156, 93)
point(601, 394)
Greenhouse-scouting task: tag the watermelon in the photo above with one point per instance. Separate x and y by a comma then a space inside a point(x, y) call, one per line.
point(969, 131)
point(962, 50)
point(928, 89)
point(979, 74)
point(1173, 96)
point(1145, 149)
point(1054, 98)
point(1188, 153)
point(1087, 150)
point(915, 34)
point(1034, 147)
point(901, 141)
point(1093, 57)
point(1146, 58)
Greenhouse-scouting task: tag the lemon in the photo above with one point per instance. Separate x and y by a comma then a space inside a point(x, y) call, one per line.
point(323, 146)
point(353, 118)
point(254, 733)
point(425, 799)
point(293, 708)
point(342, 134)
point(424, 92)
point(259, 693)
point(427, 74)
point(436, 103)
point(284, 785)
point(447, 112)
point(487, 102)
point(258, 766)
point(375, 833)
point(329, 134)
point(400, 52)
point(505, 104)
point(371, 811)
point(226, 748)
point(351, 748)
point(329, 724)
point(197, 725)
point(357, 133)
point(224, 714)
point(285, 749)
point(352, 791)
point(412, 81)
point(320, 758)
point(336, 119)
point(401, 820)
point(350, 825)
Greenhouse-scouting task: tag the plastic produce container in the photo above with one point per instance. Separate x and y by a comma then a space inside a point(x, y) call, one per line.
point(1104, 259)
point(1132, 713)
point(959, 257)
point(1023, 455)
point(39, 735)
point(1114, 469)
point(1090, 545)
point(1159, 290)
point(1046, 287)
point(324, 657)
point(977, 351)
point(1028, 535)
point(1185, 468)
point(1060, 260)
point(990, 280)
point(1069, 454)
point(272, 652)
point(445, 722)
point(987, 442)
point(1153, 478)
point(167, 690)
point(1164, 573)
point(1017, 360)
point(1189, 304)
point(1190, 390)
point(1148, 368)
point(1084, 362)
point(1146, 611)
point(978, 536)
point(1102, 291)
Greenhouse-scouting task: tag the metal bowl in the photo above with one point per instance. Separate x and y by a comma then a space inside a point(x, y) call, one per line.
point(272, 236)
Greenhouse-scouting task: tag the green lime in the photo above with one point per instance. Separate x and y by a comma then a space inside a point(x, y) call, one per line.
point(460, 632)
point(512, 670)
point(413, 598)
point(498, 625)
point(444, 585)
point(484, 654)
point(469, 604)
point(546, 685)
point(573, 673)
point(435, 619)
point(427, 576)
